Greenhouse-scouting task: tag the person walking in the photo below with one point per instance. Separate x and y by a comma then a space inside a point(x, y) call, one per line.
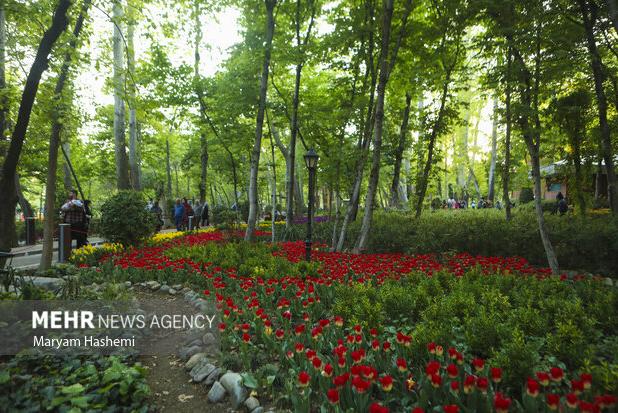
point(73, 213)
point(179, 214)
point(204, 215)
point(198, 215)
point(188, 213)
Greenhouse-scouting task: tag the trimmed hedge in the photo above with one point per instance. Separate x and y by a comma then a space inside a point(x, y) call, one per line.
point(582, 243)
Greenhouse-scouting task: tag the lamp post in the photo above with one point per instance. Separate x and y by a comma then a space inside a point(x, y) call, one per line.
point(311, 160)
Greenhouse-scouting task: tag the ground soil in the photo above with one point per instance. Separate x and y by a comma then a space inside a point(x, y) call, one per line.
point(171, 387)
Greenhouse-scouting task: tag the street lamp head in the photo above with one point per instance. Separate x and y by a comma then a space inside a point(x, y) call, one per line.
point(311, 159)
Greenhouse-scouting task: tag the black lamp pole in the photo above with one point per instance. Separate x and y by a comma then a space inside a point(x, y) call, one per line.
point(311, 160)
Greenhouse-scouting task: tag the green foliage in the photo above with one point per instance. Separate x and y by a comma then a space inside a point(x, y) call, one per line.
point(526, 195)
point(249, 259)
point(73, 384)
point(125, 219)
point(521, 324)
point(581, 243)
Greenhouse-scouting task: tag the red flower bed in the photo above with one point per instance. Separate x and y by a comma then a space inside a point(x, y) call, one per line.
point(349, 367)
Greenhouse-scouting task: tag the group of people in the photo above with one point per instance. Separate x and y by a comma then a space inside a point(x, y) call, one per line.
point(183, 210)
point(483, 203)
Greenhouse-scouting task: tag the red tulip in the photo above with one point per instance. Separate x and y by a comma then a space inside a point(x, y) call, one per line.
point(452, 371)
point(556, 373)
point(532, 388)
point(496, 374)
point(501, 403)
point(478, 364)
point(451, 408)
point(553, 401)
point(377, 408)
point(386, 382)
point(333, 396)
point(303, 379)
point(571, 400)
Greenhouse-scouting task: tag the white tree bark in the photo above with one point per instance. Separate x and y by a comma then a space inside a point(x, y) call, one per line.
point(122, 165)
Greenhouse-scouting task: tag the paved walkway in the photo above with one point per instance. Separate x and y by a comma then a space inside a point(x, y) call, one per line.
point(38, 248)
point(29, 256)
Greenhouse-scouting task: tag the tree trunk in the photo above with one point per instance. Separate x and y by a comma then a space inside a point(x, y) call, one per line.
point(168, 168)
point(24, 204)
point(506, 173)
point(589, 14)
point(134, 161)
point(8, 197)
point(366, 126)
point(54, 142)
point(395, 200)
point(613, 13)
point(4, 106)
point(531, 137)
point(255, 155)
point(422, 188)
point(273, 197)
point(577, 164)
point(300, 45)
point(374, 175)
point(67, 180)
point(536, 174)
point(122, 165)
point(494, 149)
point(202, 103)
point(598, 182)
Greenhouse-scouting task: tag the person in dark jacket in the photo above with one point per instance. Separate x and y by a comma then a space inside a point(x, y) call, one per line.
point(204, 216)
point(179, 214)
point(73, 213)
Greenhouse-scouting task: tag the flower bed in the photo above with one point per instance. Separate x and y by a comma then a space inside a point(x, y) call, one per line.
point(284, 331)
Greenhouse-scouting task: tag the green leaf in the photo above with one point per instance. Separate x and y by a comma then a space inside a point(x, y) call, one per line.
point(81, 401)
point(249, 381)
point(4, 376)
point(73, 389)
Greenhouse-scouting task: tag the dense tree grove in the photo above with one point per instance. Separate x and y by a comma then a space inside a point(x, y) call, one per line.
point(408, 103)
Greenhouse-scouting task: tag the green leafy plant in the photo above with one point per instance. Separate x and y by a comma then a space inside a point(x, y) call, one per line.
point(125, 219)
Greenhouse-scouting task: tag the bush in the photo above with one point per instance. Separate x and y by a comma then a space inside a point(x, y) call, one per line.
point(125, 219)
point(522, 324)
point(526, 195)
point(581, 243)
point(249, 260)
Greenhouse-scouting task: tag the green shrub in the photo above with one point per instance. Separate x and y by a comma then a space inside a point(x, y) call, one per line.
point(249, 259)
point(519, 323)
point(30, 384)
point(581, 243)
point(526, 195)
point(125, 219)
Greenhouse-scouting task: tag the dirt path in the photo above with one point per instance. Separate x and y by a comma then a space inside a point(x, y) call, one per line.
point(170, 384)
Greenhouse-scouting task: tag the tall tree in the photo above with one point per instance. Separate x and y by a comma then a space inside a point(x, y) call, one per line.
point(4, 107)
point(122, 164)
point(386, 61)
point(134, 151)
point(506, 173)
point(494, 150)
point(301, 45)
point(8, 196)
point(396, 196)
point(365, 124)
point(257, 145)
point(450, 54)
point(530, 125)
point(570, 114)
point(54, 140)
point(200, 96)
point(589, 12)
